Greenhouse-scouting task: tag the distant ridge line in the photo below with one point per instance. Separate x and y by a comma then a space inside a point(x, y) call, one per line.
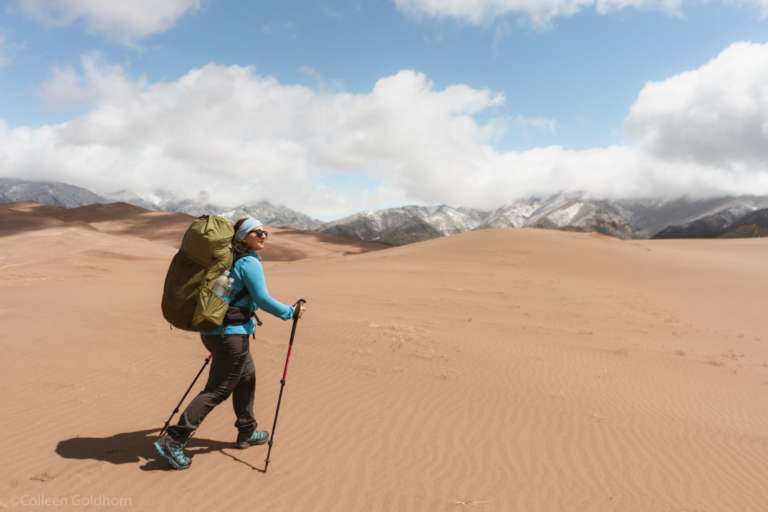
point(572, 211)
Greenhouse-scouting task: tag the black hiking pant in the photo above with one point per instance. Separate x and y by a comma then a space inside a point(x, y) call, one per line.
point(232, 373)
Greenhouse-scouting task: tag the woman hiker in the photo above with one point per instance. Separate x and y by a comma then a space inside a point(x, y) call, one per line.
point(232, 371)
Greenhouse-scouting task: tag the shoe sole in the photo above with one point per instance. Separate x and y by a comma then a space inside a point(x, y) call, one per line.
point(173, 463)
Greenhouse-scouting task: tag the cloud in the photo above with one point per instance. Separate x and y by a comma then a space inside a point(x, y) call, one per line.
point(336, 12)
point(525, 125)
point(322, 84)
point(100, 80)
point(126, 22)
point(715, 115)
point(503, 30)
point(242, 136)
point(280, 29)
point(540, 12)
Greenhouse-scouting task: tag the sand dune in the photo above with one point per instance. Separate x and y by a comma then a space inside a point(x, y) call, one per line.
point(167, 228)
point(35, 208)
point(14, 222)
point(501, 370)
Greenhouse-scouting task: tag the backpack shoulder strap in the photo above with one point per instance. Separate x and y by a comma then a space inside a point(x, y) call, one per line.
point(240, 295)
point(244, 292)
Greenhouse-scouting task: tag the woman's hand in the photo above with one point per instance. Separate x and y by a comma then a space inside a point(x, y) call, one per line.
point(301, 311)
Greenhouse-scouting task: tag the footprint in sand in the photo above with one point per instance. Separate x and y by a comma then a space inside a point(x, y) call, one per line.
point(42, 477)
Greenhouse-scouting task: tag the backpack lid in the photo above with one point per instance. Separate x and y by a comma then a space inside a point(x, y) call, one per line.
point(208, 240)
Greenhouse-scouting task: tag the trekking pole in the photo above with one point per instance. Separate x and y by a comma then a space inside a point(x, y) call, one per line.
point(282, 381)
point(165, 427)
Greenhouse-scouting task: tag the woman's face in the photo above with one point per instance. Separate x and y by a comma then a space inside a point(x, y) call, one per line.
point(255, 242)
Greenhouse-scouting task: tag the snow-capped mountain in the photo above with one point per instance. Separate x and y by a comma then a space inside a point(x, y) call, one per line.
point(650, 216)
point(266, 212)
point(128, 197)
point(718, 224)
point(582, 216)
point(632, 218)
point(751, 225)
point(708, 226)
point(559, 208)
point(573, 211)
point(47, 192)
point(409, 224)
point(70, 196)
point(511, 216)
point(168, 202)
point(273, 215)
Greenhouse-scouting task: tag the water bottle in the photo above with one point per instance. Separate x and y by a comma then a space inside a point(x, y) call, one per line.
point(220, 286)
point(230, 288)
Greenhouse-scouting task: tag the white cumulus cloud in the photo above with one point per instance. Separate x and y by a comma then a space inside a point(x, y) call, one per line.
point(714, 115)
point(241, 136)
point(245, 136)
point(99, 80)
point(126, 21)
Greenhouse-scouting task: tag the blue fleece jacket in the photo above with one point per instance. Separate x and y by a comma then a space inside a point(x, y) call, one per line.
point(247, 272)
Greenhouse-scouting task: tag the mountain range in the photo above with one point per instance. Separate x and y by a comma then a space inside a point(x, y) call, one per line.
point(273, 215)
point(627, 218)
point(726, 216)
point(52, 193)
point(70, 196)
point(735, 221)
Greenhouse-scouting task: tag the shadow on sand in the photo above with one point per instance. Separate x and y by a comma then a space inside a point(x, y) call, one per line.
point(136, 447)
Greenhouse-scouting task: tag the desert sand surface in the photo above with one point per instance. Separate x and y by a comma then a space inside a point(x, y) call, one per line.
point(511, 370)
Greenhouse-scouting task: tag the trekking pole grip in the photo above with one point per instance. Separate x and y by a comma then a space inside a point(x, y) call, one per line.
point(297, 309)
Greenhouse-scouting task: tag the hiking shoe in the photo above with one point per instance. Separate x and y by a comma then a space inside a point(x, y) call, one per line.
point(253, 439)
point(173, 450)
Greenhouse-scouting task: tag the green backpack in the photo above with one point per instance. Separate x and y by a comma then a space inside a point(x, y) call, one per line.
point(206, 252)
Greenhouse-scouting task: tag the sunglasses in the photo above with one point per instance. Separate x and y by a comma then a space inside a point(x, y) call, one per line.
point(260, 232)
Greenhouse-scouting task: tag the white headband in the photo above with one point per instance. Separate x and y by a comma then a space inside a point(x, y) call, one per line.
point(245, 228)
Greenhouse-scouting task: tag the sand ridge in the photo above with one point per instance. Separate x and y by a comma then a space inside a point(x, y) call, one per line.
point(502, 370)
point(167, 228)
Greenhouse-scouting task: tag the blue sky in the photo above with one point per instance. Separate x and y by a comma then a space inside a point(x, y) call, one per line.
point(568, 83)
